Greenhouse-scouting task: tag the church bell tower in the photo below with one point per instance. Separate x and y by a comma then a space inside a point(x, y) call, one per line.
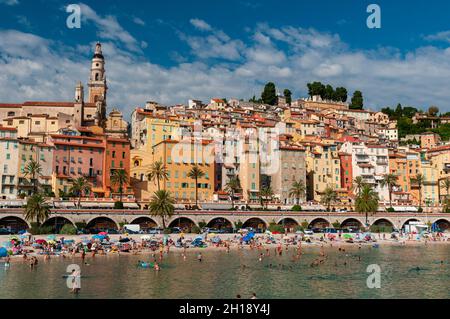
point(97, 84)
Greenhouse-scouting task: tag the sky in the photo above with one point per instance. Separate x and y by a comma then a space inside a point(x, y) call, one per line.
point(171, 51)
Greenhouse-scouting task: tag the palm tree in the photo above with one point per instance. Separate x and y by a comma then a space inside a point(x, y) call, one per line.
point(266, 195)
point(161, 205)
point(80, 186)
point(36, 209)
point(231, 187)
point(389, 180)
point(446, 185)
point(419, 180)
point(196, 173)
point(367, 202)
point(119, 177)
point(158, 171)
point(329, 196)
point(33, 169)
point(297, 190)
point(358, 184)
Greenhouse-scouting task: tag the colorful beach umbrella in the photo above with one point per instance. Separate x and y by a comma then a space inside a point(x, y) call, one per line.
point(347, 236)
point(3, 252)
point(103, 233)
point(41, 241)
point(51, 237)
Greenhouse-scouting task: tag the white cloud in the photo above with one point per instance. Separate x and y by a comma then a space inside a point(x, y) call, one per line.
point(9, 2)
point(200, 24)
point(443, 36)
point(139, 21)
point(109, 28)
point(35, 68)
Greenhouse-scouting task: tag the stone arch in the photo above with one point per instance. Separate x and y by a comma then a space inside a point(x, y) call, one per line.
point(443, 224)
point(102, 223)
point(145, 222)
point(409, 220)
point(319, 222)
point(57, 222)
point(255, 222)
point(219, 223)
point(185, 223)
point(382, 225)
point(14, 223)
point(288, 222)
point(352, 223)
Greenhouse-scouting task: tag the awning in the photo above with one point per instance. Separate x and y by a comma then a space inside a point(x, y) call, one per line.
point(131, 205)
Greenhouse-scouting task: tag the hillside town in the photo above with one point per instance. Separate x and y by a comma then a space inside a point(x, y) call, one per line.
point(223, 153)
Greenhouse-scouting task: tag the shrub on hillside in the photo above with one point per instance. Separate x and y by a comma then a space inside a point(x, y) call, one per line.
point(296, 208)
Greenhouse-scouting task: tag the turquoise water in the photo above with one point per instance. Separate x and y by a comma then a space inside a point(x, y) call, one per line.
point(221, 275)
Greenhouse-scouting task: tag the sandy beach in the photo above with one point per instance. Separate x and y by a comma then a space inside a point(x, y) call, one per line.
point(286, 242)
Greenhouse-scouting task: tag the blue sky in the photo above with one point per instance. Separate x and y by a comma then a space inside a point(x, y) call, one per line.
point(170, 51)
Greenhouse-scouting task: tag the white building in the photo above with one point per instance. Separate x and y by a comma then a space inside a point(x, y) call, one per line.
point(371, 162)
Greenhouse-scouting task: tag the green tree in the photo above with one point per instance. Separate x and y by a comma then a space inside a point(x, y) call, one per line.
point(269, 94)
point(119, 177)
point(158, 172)
point(358, 184)
point(329, 197)
point(446, 184)
point(80, 186)
point(288, 95)
point(367, 202)
point(36, 209)
point(266, 195)
point(389, 180)
point(298, 190)
point(33, 169)
point(419, 180)
point(341, 94)
point(329, 93)
point(433, 110)
point(357, 102)
point(162, 205)
point(232, 187)
point(316, 88)
point(195, 173)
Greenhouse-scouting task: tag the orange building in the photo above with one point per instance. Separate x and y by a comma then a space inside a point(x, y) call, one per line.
point(117, 156)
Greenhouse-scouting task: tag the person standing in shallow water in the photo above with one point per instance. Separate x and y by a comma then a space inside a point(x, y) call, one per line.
point(199, 257)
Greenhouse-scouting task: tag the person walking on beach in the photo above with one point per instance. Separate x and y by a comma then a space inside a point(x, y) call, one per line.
point(199, 257)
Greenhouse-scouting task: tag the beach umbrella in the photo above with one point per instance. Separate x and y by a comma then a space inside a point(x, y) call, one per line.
point(100, 237)
point(51, 242)
point(103, 233)
point(124, 240)
point(347, 236)
point(3, 252)
point(146, 237)
point(26, 234)
point(51, 237)
point(41, 241)
point(13, 237)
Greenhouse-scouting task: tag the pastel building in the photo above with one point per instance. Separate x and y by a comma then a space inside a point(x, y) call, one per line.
point(9, 154)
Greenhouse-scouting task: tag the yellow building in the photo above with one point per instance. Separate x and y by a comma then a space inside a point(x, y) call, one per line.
point(179, 157)
point(439, 158)
point(148, 131)
point(323, 169)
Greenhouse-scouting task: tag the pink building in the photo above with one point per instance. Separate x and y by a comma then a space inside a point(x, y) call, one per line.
point(77, 156)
